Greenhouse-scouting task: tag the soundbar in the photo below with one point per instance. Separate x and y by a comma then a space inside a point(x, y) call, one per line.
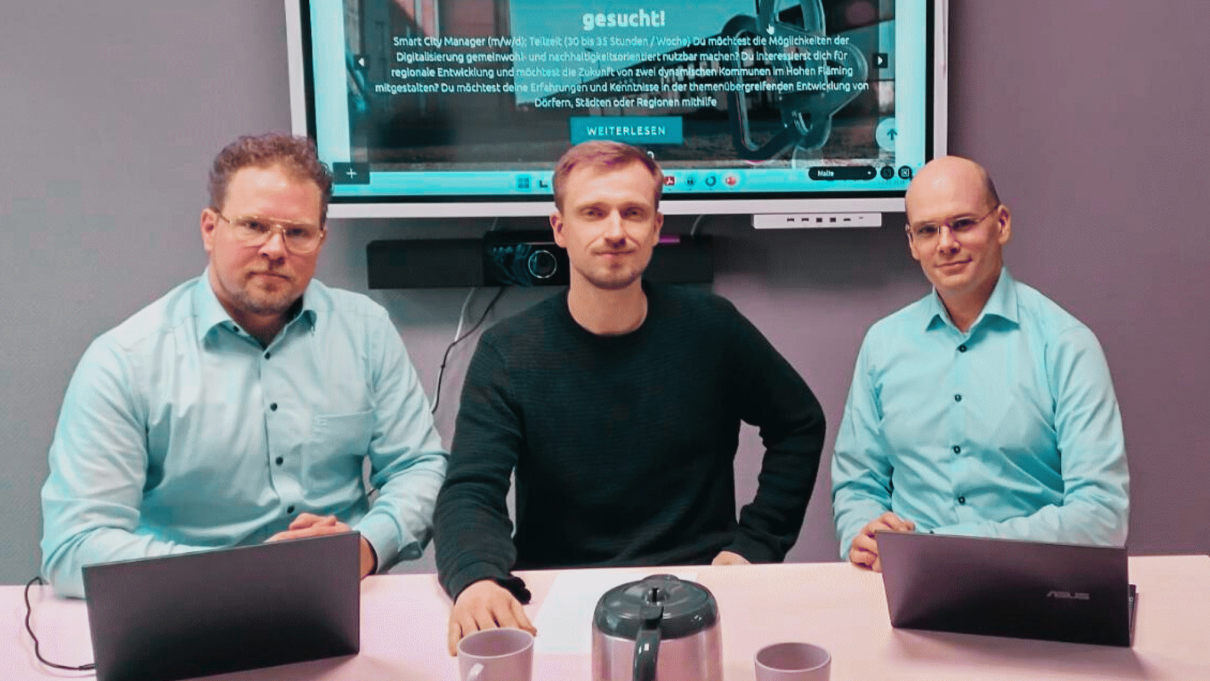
point(517, 258)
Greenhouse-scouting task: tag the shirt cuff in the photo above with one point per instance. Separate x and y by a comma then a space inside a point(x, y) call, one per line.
point(384, 537)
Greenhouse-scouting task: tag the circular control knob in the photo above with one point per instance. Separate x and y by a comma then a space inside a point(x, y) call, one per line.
point(542, 264)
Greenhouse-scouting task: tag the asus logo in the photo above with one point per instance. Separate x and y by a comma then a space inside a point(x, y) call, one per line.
point(1067, 595)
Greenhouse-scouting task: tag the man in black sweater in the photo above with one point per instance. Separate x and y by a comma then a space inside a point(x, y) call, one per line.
point(618, 405)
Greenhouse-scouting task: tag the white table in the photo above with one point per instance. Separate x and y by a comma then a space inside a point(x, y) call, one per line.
point(832, 604)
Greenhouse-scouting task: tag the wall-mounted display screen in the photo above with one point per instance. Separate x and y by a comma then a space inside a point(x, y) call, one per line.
point(461, 107)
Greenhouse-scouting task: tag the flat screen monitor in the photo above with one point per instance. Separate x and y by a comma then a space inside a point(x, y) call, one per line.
point(456, 108)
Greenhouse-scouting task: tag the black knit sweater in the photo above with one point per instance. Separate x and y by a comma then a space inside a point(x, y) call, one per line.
point(623, 446)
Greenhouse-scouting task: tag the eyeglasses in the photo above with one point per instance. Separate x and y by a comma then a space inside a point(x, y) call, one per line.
point(256, 231)
point(928, 231)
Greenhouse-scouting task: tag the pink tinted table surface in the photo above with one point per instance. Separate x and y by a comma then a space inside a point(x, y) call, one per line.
point(833, 605)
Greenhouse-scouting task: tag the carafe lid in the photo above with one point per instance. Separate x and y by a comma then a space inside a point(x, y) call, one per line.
point(687, 607)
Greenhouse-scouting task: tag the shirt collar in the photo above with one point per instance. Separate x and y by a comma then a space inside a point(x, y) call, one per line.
point(210, 313)
point(1002, 304)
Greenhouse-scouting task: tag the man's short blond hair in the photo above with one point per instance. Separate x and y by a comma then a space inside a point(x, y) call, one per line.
point(296, 155)
point(604, 155)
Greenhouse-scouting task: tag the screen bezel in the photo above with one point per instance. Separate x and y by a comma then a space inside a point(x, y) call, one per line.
point(302, 116)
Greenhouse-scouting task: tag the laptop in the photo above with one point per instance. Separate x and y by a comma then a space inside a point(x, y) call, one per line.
point(225, 610)
point(1002, 587)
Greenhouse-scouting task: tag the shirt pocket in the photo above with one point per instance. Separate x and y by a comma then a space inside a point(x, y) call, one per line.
point(339, 443)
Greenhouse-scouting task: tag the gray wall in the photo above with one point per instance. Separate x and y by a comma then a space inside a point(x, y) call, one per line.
point(1088, 112)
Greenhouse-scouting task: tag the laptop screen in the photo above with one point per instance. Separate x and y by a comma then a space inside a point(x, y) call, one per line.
point(225, 610)
point(1001, 587)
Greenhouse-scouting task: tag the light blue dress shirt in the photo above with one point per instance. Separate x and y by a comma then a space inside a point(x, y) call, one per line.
point(179, 432)
point(1010, 430)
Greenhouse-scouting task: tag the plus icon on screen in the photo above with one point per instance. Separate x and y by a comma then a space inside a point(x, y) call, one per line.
point(351, 173)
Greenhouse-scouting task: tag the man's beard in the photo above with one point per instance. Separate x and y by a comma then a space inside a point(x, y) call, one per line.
point(614, 279)
point(262, 302)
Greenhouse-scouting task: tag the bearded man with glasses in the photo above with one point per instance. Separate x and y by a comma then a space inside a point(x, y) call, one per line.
point(242, 406)
point(983, 409)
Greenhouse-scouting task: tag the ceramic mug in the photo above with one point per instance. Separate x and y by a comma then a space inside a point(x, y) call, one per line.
point(496, 655)
point(793, 662)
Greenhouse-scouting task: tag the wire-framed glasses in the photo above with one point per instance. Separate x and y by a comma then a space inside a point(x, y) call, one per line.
point(929, 231)
point(252, 230)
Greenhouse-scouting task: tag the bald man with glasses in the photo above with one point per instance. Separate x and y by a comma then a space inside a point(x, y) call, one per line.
point(242, 406)
point(984, 409)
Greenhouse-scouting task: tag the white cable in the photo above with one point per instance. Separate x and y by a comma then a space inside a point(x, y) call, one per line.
point(462, 313)
point(467, 303)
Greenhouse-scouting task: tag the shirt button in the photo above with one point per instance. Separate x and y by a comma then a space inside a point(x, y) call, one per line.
point(268, 355)
point(273, 407)
point(957, 449)
point(279, 461)
point(962, 348)
point(289, 509)
point(957, 398)
point(961, 500)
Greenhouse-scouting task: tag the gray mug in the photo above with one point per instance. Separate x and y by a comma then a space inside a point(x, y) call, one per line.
point(496, 655)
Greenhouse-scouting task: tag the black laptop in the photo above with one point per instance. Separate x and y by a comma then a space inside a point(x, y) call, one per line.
point(1001, 587)
point(226, 610)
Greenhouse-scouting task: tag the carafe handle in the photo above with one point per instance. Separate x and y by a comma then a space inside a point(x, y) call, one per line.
point(647, 643)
